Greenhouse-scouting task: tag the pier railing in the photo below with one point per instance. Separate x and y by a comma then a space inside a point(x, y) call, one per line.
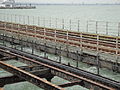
point(96, 35)
point(90, 26)
point(97, 42)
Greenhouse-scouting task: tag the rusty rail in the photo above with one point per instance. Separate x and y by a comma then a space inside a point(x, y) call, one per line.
point(29, 77)
point(36, 70)
point(59, 71)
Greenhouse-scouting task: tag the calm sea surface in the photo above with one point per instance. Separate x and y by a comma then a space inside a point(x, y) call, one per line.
point(85, 12)
point(108, 13)
point(86, 15)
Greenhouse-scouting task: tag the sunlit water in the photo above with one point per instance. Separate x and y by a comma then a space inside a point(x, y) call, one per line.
point(105, 13)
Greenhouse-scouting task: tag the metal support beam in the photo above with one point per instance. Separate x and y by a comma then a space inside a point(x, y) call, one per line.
point(41, 72)
point(72, 84)
point(8, 58)
point(29, 77)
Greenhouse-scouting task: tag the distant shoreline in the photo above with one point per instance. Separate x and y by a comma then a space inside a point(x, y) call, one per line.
point(63, 4)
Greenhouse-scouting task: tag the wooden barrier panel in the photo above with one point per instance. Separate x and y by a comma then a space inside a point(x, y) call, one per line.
point(104, 43)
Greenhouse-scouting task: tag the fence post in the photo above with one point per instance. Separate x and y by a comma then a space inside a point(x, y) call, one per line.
point(98, 64)
point(118, 29)
point(32, 47)
point(11, 17)
point(97, 42)
point(60, 55)
point(15, 18)
point(4, 16)
point(87, 26)
point(45, 54)
point(23, 19)
point(28, 20)
point(21, 45)
point(19, 18)
point(44, 34)
point(107, 28)
point(56, 22)
point(63, 24)
point(96, 27)
point(81, 39)
point(78, 25)
point(33, 20)
point(67, 43)
point(38, 21)
point(55, 35)
point(77, 59)
point(50, 22)
point(117, 49)
point(7, 17)
point(44, 22)
point(70, 23)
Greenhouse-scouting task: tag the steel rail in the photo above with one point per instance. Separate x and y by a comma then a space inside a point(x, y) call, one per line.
point(77, 73)
point(29, 77)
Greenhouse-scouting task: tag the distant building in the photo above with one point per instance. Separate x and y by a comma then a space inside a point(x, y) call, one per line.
point(7, 3)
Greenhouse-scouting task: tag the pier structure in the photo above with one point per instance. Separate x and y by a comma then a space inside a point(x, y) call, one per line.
point(11, 4)
point(71, 43)
point(84, 47)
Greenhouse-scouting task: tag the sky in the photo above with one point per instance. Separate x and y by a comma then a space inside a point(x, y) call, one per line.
point(70, 1)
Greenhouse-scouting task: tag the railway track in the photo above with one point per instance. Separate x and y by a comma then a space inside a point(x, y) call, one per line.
point(78, 74)
point(102, 43)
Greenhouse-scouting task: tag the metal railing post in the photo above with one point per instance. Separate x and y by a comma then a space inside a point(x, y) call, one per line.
point(97, 42)
point(56, 22)
point(117, 49)
point(107, 28)
point(55, 37)
point(38, 21)
point(44, 21)
point(33, 20)
point(96, 27)
point(32, 47)
point(4, 17)
point(50, 22)
point(78, 25)
point(7, 17)
point(87, 27)
point(98, 64)
point(21, 45)
point(60, 59)
point(23, 19)
point(28, 20)
point(63, 27)
point(15, 18)
point(77, 57)
point(45, 54)
point(70, 23)
point(19, 18)
point(67, 33)
point(11, 17)
point(81, 36)
point(118, 29)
